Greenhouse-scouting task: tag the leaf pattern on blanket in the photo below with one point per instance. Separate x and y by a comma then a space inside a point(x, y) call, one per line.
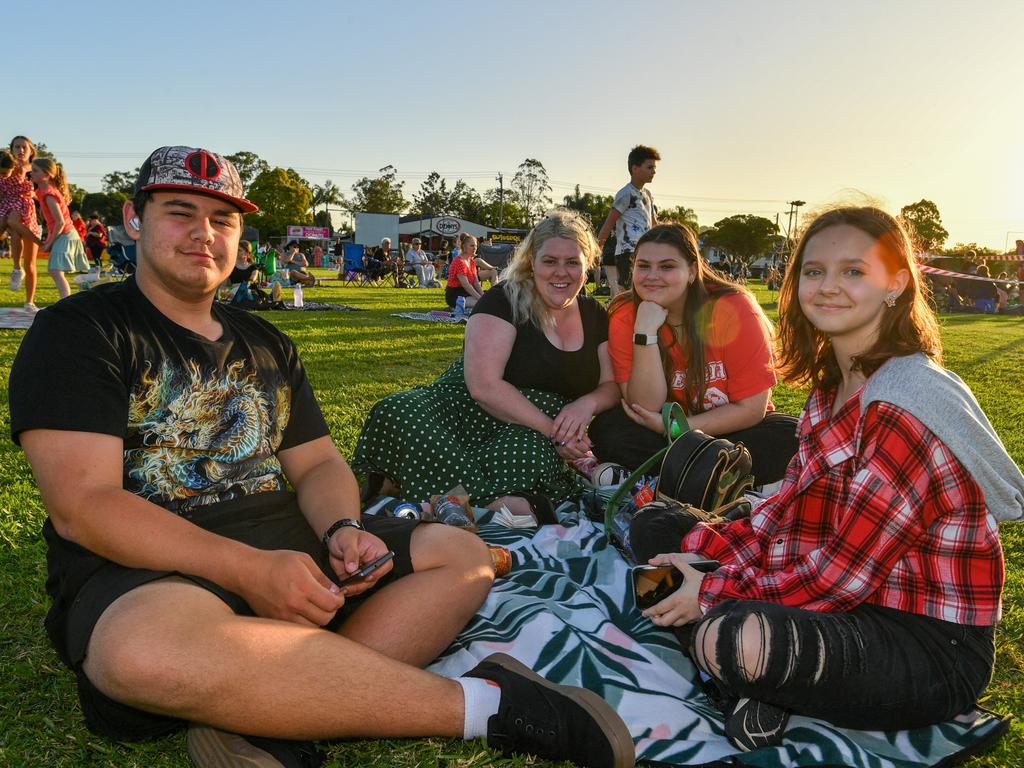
point(567, 611)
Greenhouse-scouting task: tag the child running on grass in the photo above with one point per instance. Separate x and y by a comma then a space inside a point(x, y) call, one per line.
point(17, 212)
point(67, 254)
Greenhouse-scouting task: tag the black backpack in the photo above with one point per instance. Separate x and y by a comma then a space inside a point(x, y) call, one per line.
point(705, 472)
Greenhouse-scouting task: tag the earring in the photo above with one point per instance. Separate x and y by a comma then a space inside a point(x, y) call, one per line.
point(890, 300)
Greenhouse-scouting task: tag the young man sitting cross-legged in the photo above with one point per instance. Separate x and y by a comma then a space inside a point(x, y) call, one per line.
point(188, 585)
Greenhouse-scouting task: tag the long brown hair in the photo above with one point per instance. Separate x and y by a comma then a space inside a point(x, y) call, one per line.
point(56, 174)
point(805, 353)
point(707, 285)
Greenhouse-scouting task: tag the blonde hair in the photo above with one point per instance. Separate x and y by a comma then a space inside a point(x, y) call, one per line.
point(518, 275)
point(56, 174)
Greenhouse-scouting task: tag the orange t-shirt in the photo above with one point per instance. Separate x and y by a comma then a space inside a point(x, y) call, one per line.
point(737, 350)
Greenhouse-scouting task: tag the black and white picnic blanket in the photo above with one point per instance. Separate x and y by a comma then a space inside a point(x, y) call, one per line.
point(567, 611)
point(434, 316)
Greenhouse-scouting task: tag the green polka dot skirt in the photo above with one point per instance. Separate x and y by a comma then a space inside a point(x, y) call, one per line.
point(432, 438)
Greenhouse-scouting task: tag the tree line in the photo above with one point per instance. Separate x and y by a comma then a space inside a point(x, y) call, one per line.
point(285, 197)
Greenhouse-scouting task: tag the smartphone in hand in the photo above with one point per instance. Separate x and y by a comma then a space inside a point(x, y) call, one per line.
point(653, 583)
point(367, 569)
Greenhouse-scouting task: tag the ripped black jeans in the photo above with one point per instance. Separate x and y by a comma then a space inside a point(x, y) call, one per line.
point(870, 668)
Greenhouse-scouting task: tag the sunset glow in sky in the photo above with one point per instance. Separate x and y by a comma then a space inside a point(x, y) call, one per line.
point(751, 104)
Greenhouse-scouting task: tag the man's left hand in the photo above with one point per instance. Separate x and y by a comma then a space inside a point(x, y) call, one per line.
point(350, 549)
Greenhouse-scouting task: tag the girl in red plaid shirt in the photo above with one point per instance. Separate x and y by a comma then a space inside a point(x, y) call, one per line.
point(866, 591)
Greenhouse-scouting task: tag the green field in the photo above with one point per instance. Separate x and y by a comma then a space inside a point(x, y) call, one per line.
point(353, 359)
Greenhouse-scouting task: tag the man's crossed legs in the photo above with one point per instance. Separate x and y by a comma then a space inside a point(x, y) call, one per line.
point(173, 648)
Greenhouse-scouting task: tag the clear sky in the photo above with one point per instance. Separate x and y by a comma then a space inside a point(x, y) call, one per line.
point(751, 104)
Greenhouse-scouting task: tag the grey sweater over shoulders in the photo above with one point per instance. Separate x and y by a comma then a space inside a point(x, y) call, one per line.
point(941, 401)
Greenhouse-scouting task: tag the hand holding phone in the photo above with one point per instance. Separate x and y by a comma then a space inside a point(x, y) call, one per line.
point(369, 568)
point(653, 583)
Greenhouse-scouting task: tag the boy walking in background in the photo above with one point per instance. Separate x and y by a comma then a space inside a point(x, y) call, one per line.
point(633, 213)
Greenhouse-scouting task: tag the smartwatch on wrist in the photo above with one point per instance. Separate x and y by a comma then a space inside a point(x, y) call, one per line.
point(345, 522)
point(645, 339)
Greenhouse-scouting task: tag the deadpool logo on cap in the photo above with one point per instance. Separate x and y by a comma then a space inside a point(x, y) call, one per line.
point(202, 165)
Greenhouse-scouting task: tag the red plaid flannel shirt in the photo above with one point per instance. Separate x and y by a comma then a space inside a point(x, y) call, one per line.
point(898, 523)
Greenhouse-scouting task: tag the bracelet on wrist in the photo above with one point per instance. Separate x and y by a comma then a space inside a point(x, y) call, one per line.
point(337, 525)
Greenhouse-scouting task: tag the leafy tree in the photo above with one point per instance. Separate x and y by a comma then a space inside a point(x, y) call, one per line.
point(249, 165)
point(120, 181)
point(465, 202)
point(963, 249)
point(680, 215)
point(511, 215)
point(107, 205)
point(433, 196)
point(327, 194)
point(380, 195)
point(532, 185)
point(595, 207)
point(744, 236)
point(77, 196)
point(283, 197)
point(925, 224)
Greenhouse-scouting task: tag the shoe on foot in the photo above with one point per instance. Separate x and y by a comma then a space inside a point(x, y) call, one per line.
point(211, 748)
point(608, 473)
point(556, 722)
point(755, 725)
point(16, 276)
point(30, 307)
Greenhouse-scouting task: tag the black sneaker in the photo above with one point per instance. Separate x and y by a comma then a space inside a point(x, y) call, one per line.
point(556, 722)
point(754, 725)
point(211, 748)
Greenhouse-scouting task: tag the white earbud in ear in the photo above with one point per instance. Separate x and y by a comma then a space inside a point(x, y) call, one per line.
point(133, 222)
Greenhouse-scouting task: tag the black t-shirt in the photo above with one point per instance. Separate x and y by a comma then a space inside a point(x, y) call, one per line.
point(202, 421)
point(538, 364)
point(242, 274)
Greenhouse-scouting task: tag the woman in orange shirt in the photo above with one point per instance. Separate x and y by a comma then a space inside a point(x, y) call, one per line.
point(686, 334)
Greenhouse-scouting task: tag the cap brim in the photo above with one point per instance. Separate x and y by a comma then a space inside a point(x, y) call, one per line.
point(242, 205)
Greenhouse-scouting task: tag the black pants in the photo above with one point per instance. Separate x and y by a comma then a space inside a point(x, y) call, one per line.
point(772, 442)
point(870, 668)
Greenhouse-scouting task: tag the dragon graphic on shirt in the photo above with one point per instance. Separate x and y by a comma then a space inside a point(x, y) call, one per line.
point(196, 439)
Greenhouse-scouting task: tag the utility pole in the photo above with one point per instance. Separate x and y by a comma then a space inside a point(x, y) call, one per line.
point(501, 201)
point(794, 206)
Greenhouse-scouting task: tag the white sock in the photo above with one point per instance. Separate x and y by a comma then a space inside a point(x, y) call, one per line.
point(482, 698)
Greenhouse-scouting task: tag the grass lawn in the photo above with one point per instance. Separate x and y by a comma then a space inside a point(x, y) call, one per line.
point(353, 359)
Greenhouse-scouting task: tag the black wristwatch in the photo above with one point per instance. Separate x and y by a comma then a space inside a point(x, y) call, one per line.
point(645, 339)
point(345, 522)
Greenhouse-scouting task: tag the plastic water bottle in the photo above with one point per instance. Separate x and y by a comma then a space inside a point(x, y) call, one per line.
point(460, 307)
point(297, 293)
point(450, 511)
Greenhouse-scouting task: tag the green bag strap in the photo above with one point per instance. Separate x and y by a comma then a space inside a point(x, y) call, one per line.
point(613, 503)
point(674, 422)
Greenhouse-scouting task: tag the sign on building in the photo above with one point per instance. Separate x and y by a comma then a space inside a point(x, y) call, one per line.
point(447, 226)
point(309, 233)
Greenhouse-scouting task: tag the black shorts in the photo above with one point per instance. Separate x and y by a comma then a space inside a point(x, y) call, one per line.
point(451, 294)
point(608, 253)
point(282, 528)
point(624, 262)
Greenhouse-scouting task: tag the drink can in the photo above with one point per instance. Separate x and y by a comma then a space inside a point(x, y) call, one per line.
point(404, 509)
point(502, 560)
point(645, 493)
